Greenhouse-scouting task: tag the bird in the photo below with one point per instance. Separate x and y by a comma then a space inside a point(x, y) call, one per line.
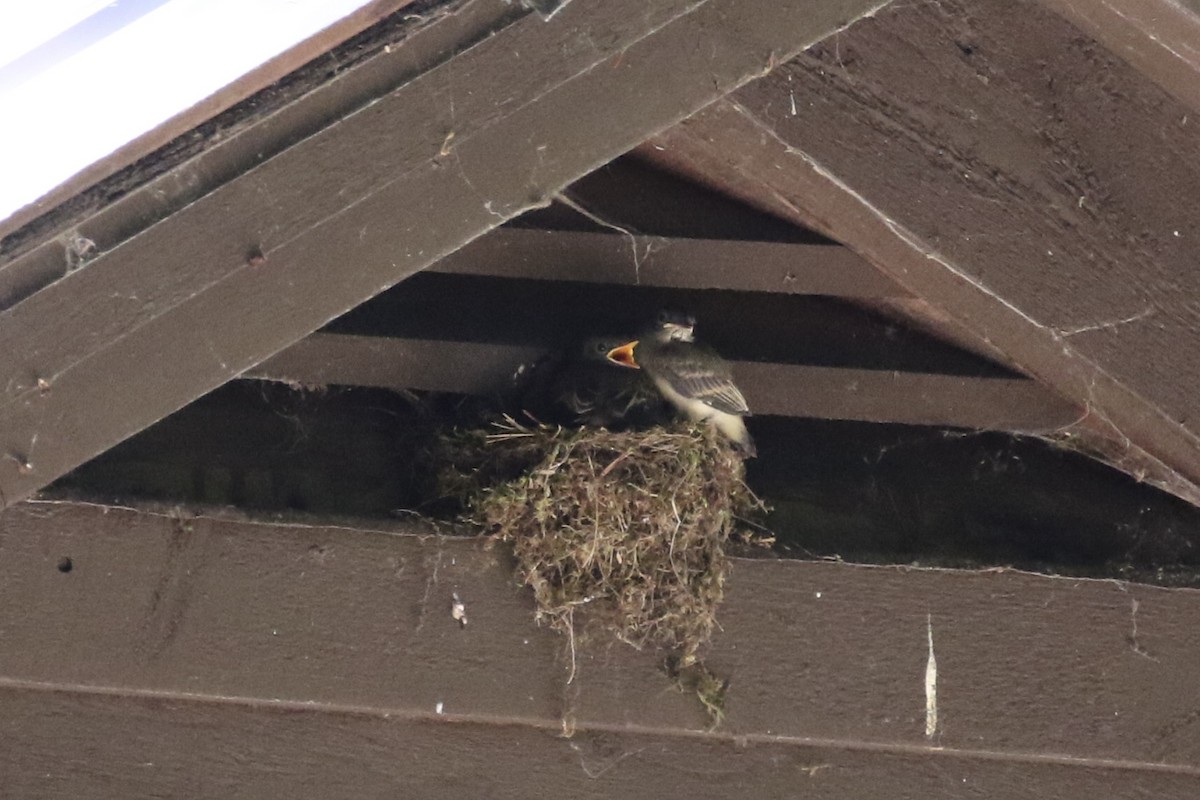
point(690, 376)
point(592, 390)
point(673, 326)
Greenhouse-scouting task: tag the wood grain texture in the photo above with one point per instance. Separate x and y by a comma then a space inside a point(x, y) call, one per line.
point(968, 149)
point(1159, 38)
point(219, 150)
point(750, 326)
point(88, 746)
point(1010, 404)
point(188, 304)
point(1033, 672)
point(253, 81)
point(679, 263)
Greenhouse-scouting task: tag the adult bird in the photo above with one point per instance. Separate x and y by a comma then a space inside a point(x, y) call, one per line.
point(690, 376)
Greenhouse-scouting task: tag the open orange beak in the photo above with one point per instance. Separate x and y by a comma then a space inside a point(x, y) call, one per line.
point(623, 355)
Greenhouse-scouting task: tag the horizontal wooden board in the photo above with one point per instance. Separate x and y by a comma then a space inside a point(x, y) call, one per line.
point(749, 326)
point(637, 260)
point(181, 607)
point(1010, 404)
point(81, 745)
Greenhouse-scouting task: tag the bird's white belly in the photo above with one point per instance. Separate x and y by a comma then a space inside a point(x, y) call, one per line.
point(696, 410)
point(731, 425)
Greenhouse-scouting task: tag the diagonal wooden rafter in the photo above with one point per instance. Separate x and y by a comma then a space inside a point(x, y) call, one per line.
point(1159, 38)
point(998, 201)
point(476, 137)
point(246, 86)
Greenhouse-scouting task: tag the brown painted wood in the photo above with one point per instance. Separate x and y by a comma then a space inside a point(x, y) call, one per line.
point(858, 491)
point(312, 98)
point(254, 81)
point(639, 260)
point(1159, 38)
point(749, 326)
point(292, 243)
point(323, 359)
point(636, 195)
point(259, 632)
point(1009, 404)
point(99, 746)
point(966, 148)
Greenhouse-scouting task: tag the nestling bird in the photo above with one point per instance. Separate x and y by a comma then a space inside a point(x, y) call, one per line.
point(690, 376)
point(673, 326)
point(593, 390)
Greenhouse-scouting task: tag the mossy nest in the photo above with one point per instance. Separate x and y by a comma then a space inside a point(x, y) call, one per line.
point(629, 527)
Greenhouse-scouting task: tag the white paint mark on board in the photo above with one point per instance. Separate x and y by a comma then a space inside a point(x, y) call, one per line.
point(931, 714)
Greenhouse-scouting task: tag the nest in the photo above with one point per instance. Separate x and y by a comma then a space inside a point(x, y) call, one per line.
point(628, 527)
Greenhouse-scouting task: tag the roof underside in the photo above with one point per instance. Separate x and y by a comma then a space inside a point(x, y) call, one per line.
point(966, 151)
point(990, 174)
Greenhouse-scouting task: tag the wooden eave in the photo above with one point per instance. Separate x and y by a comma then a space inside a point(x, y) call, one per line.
point(226, 259)
point(176, 224)
point(79, 196)
point(178, 653)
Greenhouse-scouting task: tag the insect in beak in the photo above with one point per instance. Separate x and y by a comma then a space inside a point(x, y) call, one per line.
point(623, 355)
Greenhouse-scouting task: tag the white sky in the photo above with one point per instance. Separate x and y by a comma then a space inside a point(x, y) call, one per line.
point(80, 105)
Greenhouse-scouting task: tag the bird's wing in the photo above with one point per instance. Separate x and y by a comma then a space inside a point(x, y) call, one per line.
point(705, 380)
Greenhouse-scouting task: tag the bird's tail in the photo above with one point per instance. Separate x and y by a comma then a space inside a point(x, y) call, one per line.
point(734, 428)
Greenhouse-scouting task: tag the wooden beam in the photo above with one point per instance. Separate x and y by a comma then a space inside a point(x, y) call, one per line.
point(1076, 263)
point(1006, 404)
point(635, 195)
point(325, 359)
point(100, 220)
point(1159, 38)
point(671, 262)
point(318, 652)
point(291, 243)
point(163, 135)
point(750, 326)
point(94, 746)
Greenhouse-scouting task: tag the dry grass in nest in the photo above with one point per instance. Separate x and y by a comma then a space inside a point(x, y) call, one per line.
point(628, 527)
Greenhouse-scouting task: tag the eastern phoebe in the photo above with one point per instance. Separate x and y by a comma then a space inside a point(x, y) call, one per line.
point(690, 376)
